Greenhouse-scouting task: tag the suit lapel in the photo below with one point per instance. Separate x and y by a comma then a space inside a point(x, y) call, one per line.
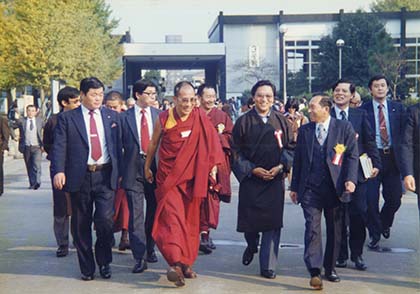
point(332, 136)
point(392, 118)
point(79, 122)
point(154, 115)
point(309, 138)
point(107, 130)
point(131, 121)
point(371, 115)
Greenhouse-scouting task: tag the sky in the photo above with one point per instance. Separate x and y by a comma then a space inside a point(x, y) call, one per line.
point(151, 20)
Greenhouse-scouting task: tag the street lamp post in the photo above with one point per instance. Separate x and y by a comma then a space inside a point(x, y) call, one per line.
point(340, 45)
point(283, 30)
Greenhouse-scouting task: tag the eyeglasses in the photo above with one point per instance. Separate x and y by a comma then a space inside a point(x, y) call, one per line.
point(150, 94)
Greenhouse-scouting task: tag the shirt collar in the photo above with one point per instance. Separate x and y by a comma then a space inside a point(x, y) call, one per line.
point(338, 111)
point(86, 111)
point(138, 109)
point(376, 104)
point(326, 124)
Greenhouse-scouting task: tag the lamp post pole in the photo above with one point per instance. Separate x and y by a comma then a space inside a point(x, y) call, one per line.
point(283, 30)
point(340, 44)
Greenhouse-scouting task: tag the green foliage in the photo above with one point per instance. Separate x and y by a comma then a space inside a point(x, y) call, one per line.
point(368, 50)
point(153, 75)
point(395, 5)
point(297, 83)
point(63, 39)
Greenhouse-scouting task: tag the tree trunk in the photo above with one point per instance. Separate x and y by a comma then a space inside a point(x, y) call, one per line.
point(42, 98)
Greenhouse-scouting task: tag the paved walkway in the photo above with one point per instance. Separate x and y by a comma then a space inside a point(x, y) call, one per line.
point(28, 263)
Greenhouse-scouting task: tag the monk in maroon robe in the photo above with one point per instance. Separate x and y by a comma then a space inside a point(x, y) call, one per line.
point(219, 190)
point(189, 152)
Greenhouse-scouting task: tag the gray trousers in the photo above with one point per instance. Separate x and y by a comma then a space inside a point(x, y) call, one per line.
point(32, 157)
point(269, 247)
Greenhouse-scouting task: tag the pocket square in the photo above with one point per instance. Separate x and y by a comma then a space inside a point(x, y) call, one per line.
point(114, 125)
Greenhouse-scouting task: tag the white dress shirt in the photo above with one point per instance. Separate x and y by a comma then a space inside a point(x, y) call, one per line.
point(148, 113)
point(388, 126)
point(101, 134)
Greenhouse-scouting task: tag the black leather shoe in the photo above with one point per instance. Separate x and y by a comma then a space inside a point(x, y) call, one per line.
point(247, 257)
point(105, 271)
point(359, 263)
point(139, 267)
point(211, 245)
point(386, 233)
point(36, 186)
point(332, 276)
point(269, 274)
point(341, 263)
point(152, 257)
point(316, 282)
point(62, 251)
point(373, 244)
point(87, 277)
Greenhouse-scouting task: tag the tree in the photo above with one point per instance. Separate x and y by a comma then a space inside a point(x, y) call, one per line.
point(297, 83)
point(250, 75)
point(366, 42)
point(395, 5)
point(65, 40)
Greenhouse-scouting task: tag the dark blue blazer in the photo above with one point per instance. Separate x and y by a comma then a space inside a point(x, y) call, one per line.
point(71, 147)
point(397, 118)
point(411, 145)
point(365, 137)
point(339, 132)
point(132, 165)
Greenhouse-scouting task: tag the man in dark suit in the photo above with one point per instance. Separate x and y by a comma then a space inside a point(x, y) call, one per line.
point(410, 152)
point(68, 98)
point(137, 128)
point(355, 213)
point(86, 153)
point(30, 144)
point(387, 119)
point(324, 169)
point(4, 145)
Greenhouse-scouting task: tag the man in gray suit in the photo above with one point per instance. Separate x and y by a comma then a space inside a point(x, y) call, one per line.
point(30, 145)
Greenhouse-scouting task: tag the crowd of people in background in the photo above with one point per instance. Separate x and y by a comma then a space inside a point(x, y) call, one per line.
point(156, 170)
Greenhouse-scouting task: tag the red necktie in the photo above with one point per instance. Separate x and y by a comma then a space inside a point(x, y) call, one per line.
point(145, 139)
point(382, 127)
point(96, 151)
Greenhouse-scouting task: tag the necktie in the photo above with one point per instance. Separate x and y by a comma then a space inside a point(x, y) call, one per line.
point(145, 139)
point(382, 127)
point(321, 134)
point(31, 124)
point(96, 151)
point(343, 115)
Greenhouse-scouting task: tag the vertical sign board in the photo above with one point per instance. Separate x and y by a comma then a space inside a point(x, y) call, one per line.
point(254, 56)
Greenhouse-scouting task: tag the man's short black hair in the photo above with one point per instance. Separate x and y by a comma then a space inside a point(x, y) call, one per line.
point(113, 96)
point(67, 93)
point(263, 83)
point(377, 78)
point(200, 89)
point(90, 83)
point(181, 85)
point(30, 106)
point(141, 85)
point(325, 99)
point(345, 81)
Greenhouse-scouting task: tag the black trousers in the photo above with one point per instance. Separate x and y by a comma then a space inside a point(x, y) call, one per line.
point(354, 222)
point(269, 247)
point(136, 228)
point(151, 205)
point(313, 238)
point(390, 178)
point(95, 191)
point(61, 217)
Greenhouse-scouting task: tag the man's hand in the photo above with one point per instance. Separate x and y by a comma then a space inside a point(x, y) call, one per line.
point(410, 183)
point(149, 175)
point(59, 181)
point(375, 172)
point(293, 196)
point(275, 170)
point(350, 186)
point(262, 173)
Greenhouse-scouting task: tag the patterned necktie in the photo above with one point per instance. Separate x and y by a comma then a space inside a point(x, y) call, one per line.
point(382, 127)
point(96, 151)
point(31, 124)
point(145, 139)
point(343, 115)
point(321, 134)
